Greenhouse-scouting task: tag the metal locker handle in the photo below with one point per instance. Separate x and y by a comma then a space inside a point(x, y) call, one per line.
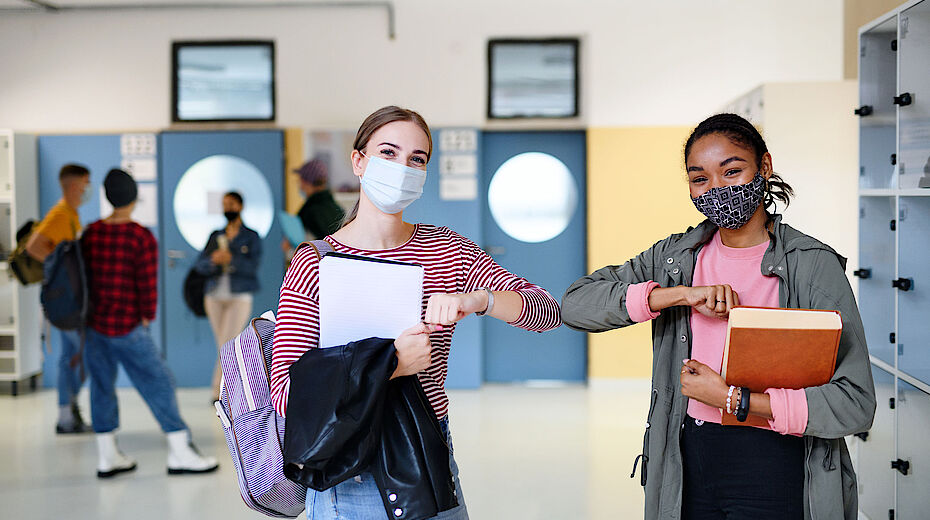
point(901, 465)
point(863, 111)
point(863, 273)
point(904, 99)
point(904, 284)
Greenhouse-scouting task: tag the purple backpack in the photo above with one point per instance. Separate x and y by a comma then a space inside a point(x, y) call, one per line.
point(254, 430)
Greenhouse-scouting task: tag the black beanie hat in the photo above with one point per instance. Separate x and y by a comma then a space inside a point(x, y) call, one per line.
point(120, 188)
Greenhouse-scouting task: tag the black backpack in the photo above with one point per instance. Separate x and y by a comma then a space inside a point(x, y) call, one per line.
point(194, 288)
point(65, 294)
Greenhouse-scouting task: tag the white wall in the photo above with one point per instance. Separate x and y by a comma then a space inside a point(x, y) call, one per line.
point(810, 129)
point(644, 63)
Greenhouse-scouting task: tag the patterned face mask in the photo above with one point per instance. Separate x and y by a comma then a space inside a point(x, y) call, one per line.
point(731, 207)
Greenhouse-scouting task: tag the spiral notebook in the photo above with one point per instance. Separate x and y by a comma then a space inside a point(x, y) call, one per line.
point(363, 297)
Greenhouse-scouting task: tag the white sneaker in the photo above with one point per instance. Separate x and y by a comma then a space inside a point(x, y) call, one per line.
point(183, 456)
point(110, 460)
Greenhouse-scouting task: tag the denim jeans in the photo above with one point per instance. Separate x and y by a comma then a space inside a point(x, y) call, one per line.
point(69, 378)
point(359, 499)
point(137, 353)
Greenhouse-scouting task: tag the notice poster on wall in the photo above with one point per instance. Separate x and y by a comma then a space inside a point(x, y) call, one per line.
point(141, 168)
point(458, 164)
point(146, 210)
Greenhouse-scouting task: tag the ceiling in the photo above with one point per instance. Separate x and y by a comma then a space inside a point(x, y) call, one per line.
point(36, 5)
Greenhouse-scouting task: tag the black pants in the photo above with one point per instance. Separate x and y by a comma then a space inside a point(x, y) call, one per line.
point(741, 472)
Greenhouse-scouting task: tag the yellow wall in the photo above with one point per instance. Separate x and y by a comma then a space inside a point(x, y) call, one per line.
point(637, 195)
point(293, 158)
point(857, 13)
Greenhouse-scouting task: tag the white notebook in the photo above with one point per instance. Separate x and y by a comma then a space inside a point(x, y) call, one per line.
point(362, 297)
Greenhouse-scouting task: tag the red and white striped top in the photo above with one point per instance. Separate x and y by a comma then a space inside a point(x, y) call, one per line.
point(451, 264)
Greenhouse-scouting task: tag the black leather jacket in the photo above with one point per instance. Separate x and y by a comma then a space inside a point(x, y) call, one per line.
point(346, 416)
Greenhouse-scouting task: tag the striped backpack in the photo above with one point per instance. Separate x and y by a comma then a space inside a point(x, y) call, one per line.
point(254, 430)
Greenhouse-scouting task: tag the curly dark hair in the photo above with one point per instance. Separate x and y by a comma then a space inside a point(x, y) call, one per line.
point(742, 133)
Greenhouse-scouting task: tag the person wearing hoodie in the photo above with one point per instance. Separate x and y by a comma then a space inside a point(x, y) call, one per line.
point(686, 285)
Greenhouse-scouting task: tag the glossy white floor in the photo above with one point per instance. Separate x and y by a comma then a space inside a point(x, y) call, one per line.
point(524, 453)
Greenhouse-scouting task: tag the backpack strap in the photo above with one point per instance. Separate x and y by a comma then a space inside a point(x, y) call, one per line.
point(320, 246)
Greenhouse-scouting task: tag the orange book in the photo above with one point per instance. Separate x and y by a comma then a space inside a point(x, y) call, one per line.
point(778, 348)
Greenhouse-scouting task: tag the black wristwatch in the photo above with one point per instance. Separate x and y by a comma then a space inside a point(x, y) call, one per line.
point(742, 411)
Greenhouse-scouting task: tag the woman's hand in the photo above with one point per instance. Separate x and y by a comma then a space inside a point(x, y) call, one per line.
point(414, 351)
point(221, 257)
point(714, 301)
point(700, 382)
point(446, 309)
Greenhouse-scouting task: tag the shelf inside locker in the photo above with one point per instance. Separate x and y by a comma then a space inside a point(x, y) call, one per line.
point(8, 289)
point(5, 176)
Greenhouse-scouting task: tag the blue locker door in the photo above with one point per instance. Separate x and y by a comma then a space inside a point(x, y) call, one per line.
point(877, 262)
point(215, 162)
point(512, 354)
point(914, 303)
point(98, 153)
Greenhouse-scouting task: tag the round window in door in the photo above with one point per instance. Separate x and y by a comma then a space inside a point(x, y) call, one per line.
point(198, 197)
point(533, 197)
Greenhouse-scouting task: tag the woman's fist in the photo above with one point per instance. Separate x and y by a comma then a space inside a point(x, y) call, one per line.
point(714, 301)
point(446, 309)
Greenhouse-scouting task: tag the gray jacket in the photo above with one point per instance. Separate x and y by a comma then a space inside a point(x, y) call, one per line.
point(811, 276)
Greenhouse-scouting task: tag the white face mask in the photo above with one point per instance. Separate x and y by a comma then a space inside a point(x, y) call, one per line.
point(390, 186)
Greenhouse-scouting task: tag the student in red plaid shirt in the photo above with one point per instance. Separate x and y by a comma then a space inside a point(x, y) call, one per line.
point(122, 270)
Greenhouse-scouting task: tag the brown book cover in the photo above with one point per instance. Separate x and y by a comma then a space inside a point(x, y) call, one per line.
point(779, 348)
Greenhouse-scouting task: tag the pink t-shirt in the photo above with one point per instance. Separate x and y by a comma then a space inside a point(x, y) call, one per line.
point(718, 264)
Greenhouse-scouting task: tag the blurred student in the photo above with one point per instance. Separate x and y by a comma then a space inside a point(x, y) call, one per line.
point(60, 224)
point(122, 269)
point(320, 214)
point(231, 260)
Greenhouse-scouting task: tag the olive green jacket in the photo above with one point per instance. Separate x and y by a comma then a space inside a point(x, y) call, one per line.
point(811, 276)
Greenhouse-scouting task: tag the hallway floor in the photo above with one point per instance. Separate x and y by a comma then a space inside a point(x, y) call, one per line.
point(524, 453)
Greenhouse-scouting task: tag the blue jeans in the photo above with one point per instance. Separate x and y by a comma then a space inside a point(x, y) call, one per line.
point(69, 378)
point(137, 353)
point(359, 499)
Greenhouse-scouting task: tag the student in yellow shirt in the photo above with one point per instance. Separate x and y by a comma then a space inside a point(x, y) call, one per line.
point(60, 224)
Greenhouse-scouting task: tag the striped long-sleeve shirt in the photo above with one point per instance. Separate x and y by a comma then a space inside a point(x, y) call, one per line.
point(451, 264)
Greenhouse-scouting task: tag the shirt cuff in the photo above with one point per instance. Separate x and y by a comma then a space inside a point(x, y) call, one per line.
point(637, 301)
point(789, 410)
